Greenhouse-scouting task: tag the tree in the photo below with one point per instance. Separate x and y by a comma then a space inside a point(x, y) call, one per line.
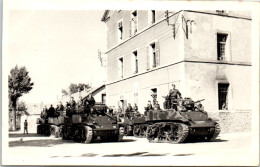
point(64, 92)
point(73, 88)
point(19, 83)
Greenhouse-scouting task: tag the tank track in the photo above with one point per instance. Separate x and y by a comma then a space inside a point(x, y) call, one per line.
point(216, 132)
point(167, 132)
point(139, 130)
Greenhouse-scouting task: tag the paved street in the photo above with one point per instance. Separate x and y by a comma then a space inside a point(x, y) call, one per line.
point(35, 149)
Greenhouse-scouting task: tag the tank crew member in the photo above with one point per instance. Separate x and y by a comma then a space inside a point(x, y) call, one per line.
point(44, 112)
point(174, 94)
point(129, 109)
point(157, 106)
point(72, 102)
point(148, 108)
point(199, 107)
point(180, 106)
point(91, 101)
point(135, 107)
point(149, 105)
point(51, 111)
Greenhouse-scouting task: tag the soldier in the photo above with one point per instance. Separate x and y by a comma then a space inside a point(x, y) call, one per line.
point(25, 127)
point(72, 103)
point(199, 107)
point(157, 106)
point(91, 101)
point(135, 107)
point(149, 105)
point(51, 111)
point(128, 110)
point(148, 108)
point(174, 94)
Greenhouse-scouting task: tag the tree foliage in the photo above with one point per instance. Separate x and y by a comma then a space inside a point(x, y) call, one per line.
point(73, 88)
point(64, 92)
point(21, 106)
point(19, 83)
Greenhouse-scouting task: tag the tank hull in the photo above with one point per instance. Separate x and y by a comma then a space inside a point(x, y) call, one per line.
point(177, 127)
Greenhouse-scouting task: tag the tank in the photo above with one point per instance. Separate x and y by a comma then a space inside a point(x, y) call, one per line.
point(49, 125)
point(134, 124)
point(86, 126)
point(184, 122)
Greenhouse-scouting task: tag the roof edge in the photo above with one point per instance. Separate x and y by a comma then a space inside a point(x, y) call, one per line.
point(104, 18)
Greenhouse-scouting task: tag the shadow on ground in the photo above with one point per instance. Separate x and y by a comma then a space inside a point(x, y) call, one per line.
point(183, 154)
point(142, 154)
point(38, 143)
point(15, 135)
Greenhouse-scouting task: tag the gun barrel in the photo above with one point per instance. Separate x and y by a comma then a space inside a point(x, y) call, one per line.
point(199, 100)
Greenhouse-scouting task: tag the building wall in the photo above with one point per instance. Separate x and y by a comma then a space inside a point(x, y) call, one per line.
point(202, 42)
point(190, 63)
point(171, 50)
point(161, 79)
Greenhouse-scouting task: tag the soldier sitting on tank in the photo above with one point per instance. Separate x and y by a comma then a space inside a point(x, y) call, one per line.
point(157, 105)
point(199, 107)
point(91, 101)
point(180, 106)
point(174, 95)
point(129, 110)
point(148, 108)
point(72, 105)
point(44, 112)
point(51, 111)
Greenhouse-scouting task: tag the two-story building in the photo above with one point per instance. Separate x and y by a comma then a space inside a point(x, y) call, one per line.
point(206, 54)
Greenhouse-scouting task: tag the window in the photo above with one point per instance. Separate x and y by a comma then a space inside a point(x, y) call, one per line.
point(103, 98)
point(121, 68)
point(120, 31)
point(221, 46)
point(222, 96)
point(153, 56)
point(133, 24)
point(135, 62)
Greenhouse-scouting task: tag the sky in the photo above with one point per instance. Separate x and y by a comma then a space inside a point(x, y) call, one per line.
point(58, 47)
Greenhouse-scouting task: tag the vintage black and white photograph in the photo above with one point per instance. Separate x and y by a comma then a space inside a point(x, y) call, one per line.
point(133, 83)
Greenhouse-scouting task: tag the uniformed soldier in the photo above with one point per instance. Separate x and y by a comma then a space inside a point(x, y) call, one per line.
point(91, 101)
point(174, 94)
point(25, 127)
point(157, 106)
point(51, 111)
point(128, 110)
point(135, 107)
point(148, 108)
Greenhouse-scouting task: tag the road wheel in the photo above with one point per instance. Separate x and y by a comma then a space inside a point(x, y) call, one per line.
point(52, 131)
point(88, 134)
point(179, 133)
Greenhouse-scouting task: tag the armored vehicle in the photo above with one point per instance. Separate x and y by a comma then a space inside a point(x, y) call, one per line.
point(134, 124)
point(90, 124)
point(188, 122)
point(48, 125)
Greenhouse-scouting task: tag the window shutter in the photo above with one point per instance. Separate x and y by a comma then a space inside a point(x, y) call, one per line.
point(133, 62)
point(147, 58)
point(157, 53)
point(135, 25)
point(149, 17)
point(119, 69)
point(130, 28)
